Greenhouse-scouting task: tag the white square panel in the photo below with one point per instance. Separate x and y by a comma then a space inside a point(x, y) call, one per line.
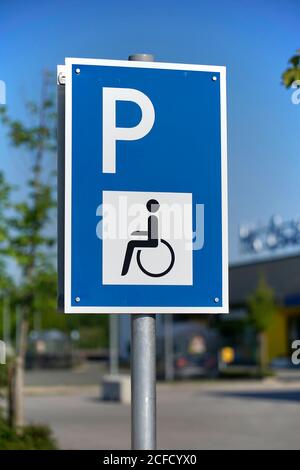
point(168, 263)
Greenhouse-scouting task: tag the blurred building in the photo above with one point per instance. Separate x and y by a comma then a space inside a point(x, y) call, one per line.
point(283, 276)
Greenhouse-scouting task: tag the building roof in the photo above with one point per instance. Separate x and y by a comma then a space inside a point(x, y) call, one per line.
point(282, 275)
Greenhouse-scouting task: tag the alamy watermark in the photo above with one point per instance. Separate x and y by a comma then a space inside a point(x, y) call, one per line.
point(2, 92)
point(2, 352)
point(296, 354)
point(118, 222)
point(295, 98)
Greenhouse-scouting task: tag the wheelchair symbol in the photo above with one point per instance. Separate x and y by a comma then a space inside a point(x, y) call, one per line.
point(152, 241)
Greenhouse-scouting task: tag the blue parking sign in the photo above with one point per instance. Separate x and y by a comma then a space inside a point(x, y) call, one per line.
point(144, 222)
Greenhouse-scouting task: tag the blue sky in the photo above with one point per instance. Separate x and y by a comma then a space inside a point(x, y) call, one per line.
point(254, 39)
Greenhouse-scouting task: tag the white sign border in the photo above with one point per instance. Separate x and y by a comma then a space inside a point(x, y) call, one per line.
point(68, 308)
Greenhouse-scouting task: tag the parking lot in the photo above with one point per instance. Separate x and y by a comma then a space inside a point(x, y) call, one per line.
point(191, 415)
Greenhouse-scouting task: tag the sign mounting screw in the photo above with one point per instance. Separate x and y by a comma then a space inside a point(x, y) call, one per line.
point(217, 300)
point(214, 78)
point(77, 299)
point(77, 71)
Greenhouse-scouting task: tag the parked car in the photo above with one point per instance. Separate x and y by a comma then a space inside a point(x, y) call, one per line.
point(195, 350)
point(49, 349)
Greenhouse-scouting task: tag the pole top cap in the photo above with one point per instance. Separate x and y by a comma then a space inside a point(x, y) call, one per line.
point(142, 57)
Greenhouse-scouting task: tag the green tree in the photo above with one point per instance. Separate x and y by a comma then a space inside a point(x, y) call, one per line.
point(5, 193)
point(262, 307)
point(6, 282)
point(293, 71)
point(29, 242)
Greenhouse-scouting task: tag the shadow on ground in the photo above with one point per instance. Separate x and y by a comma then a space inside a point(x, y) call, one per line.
point(277, 395)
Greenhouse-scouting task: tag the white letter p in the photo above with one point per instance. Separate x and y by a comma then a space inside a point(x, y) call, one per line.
point(111, 133)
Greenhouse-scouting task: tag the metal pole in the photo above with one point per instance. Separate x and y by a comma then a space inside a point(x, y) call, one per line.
point(6, 322)
point(169, 347)
point(143, 382)
point(143, 367)
point(113, 345)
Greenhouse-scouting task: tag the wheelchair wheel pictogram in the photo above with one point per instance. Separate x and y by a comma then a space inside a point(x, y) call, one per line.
point(163, 273)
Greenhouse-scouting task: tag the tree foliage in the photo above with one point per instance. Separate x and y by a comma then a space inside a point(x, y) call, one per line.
point(27, 235)
point(293, 71)
point(262, 306)
point(6, 283)
point(29, 242)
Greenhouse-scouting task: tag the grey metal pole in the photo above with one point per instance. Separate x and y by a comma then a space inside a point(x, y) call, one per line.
point(6, 322)
point(169, 347)
point(113, 344)
point(143, 366)
point(143, 382)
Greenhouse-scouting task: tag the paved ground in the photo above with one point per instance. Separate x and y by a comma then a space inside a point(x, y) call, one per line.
point(195, 415)
point(88, 373)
